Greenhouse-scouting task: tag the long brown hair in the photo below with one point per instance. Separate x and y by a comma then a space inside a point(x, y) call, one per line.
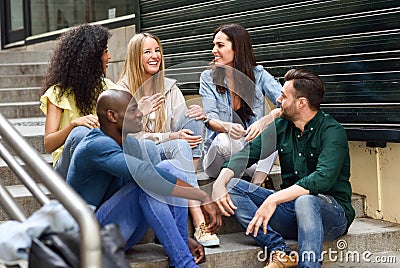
point(243, 65)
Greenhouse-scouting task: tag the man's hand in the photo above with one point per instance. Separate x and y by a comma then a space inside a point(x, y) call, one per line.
point(196, 111)
point(223, 200)
point(210, 210)
point(257, 127)
point(211, 214)
point(262, 217)
point(268, 207)
point(149, 104)
point(253, 131)
point(197, 251)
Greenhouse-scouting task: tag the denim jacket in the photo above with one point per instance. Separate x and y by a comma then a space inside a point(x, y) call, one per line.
point(219, 106)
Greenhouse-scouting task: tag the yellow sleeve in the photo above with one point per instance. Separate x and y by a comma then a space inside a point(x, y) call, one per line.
point(51, 95)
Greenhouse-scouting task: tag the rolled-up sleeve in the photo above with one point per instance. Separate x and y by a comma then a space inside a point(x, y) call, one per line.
point(270, 87)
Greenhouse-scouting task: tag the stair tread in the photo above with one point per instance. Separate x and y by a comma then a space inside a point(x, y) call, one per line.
point(18, 191)
point(28, 127)
point(19, 103)
point(20, 88)
point(24, 63)
point(47, 158)
point(239, 242)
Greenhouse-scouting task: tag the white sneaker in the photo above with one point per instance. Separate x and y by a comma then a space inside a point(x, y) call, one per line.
point(204, 237)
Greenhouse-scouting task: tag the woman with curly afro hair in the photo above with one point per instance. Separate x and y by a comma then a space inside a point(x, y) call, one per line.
point(73, 81)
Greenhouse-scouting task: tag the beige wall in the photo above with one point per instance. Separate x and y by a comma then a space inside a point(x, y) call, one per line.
point(375, 174)
point(117, 47)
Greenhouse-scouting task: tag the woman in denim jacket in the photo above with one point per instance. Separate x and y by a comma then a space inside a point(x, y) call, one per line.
point(233, 98)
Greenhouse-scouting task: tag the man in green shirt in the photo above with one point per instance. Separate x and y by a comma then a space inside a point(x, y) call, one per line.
point(315, 201)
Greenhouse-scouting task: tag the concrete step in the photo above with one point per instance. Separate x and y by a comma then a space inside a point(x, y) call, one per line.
point(23, 68)
point(239, 250)
point(32, 129)
point(25, 56)
point(7, 176)
point(20, 94)
point(24, 198)
point(26, 80)
point(21, 109)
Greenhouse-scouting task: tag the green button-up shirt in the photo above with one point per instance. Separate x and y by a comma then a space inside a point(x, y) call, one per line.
point(317, 159)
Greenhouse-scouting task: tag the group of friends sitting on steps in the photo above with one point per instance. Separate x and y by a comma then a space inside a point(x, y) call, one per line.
point(132, 149)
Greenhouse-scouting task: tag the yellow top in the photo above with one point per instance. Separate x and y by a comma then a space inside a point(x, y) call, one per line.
point(68, 105)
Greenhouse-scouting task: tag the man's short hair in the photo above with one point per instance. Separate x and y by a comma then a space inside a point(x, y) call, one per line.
point(308, 85)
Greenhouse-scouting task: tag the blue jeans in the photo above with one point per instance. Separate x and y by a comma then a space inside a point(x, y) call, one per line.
point(197, 126)
point(311, 219)
point(135, 211)
point(73, 139)
point(143, 149)
point(180, 152)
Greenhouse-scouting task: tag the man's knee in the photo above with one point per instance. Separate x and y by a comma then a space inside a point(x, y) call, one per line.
point(234, 184)
point(305, 203)
point(78, 133)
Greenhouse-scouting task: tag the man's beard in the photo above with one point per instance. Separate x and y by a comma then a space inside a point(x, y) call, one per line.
point(290, 115)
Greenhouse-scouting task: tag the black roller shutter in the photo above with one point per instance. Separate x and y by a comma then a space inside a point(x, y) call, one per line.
point(353, 45)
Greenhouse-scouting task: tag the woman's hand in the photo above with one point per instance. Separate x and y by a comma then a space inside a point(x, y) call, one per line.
point(186, 134)
point(196, 111)
point(235, 130)
point(149, 104)
point(89, 121)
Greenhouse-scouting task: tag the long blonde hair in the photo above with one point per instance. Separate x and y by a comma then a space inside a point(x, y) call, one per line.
point(133, 74)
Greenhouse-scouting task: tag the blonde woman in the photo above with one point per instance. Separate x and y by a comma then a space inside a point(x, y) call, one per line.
point(176, 129)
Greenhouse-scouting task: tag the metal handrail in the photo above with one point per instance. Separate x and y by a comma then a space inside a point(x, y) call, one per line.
point(23, 175)
point(8, 203)
point(76, 206)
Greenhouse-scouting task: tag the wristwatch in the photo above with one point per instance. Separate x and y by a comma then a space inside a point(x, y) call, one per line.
point(206, 121)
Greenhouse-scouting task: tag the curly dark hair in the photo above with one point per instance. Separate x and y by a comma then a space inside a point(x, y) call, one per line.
point(76, 66)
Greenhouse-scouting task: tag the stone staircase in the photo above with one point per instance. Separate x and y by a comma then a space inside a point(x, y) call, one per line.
point(20, 78)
